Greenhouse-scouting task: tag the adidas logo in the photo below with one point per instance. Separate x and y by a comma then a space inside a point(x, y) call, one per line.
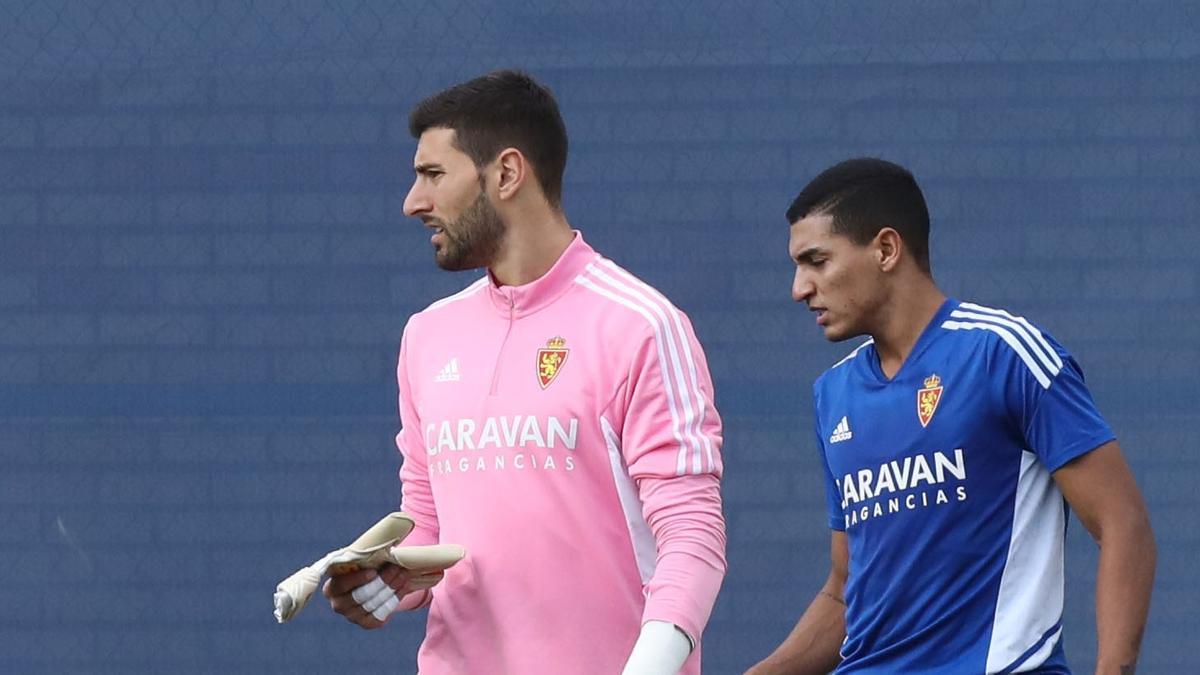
point(841, 432)
point(449, 372)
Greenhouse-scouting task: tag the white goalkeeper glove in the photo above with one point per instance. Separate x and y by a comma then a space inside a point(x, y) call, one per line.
point(373, 548)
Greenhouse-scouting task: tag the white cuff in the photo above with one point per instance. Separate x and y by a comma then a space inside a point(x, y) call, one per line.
point(661, 649)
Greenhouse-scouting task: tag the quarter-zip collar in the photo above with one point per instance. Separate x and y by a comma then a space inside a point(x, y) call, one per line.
point(517, 301)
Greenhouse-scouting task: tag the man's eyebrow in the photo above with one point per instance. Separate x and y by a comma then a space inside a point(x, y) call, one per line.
point(426, 167)
point(808, 254)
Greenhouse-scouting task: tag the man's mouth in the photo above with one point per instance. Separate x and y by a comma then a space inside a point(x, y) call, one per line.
point(439, 232)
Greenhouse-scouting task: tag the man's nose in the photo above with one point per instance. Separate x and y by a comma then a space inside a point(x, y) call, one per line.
point(417, 201)
point(802, 287)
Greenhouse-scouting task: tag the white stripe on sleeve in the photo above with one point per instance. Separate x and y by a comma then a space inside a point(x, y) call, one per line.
point(702, 403)
point(1037, 334)
point(690, 429)
point(681, 464)
point(1010, 339)
point(1034, 345)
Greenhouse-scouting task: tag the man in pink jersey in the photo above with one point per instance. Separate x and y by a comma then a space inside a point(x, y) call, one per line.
point(558, 422)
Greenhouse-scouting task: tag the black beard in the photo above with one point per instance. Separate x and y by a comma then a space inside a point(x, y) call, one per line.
point(474, 239)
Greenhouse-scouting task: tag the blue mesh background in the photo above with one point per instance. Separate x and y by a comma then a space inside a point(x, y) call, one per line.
point(204, 271)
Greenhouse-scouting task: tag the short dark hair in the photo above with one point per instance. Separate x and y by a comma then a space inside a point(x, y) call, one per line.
point(503, 109)
point(863, 196)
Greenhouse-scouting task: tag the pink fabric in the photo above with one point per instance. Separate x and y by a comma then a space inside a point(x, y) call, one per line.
point(587, 497)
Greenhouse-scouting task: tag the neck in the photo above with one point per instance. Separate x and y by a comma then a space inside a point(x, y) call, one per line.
point(531, 248)
point(903, 320)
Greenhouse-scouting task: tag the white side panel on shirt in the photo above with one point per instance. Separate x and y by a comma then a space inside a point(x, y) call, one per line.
point(645, 551)
point(1030, 601)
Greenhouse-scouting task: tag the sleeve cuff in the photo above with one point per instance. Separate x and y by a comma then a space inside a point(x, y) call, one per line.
point(661, 649)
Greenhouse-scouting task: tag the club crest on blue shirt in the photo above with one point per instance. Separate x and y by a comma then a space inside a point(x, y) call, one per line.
point(550, 360)
point(927, 399)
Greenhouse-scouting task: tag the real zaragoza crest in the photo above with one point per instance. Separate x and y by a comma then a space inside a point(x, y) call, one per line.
point(550, 360)
point(927, 399)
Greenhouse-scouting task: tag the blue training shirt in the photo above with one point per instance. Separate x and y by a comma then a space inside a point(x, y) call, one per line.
point(940, 478)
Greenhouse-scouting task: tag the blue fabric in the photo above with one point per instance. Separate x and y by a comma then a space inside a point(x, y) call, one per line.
point(922, 472)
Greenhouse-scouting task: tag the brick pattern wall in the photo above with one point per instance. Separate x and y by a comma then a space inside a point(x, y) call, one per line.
point(204, 272)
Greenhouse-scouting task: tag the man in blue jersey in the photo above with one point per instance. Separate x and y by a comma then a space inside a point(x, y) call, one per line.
point(949, 440)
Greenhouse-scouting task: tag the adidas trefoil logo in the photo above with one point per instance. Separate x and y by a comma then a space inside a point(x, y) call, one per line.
point(841, 432)
point(449, 372)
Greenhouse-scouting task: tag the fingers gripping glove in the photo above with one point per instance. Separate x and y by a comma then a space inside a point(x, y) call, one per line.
point(375, 547)
point(377, 598)
point(427, 564)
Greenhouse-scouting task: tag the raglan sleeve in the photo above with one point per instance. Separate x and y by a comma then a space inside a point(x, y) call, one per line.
point(833, 493)
point(416, 497)
point(1046, 398)
point(670, 446)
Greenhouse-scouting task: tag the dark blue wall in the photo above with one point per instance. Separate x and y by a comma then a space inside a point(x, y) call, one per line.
point(204, 272)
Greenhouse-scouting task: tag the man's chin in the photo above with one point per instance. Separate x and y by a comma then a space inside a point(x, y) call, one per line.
point(836, 334)
point(455, 264)
point(448, 265)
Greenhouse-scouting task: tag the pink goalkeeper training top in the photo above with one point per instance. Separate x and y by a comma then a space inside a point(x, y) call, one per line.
point(564, 433)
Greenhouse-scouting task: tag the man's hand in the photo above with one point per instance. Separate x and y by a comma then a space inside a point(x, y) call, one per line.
point(367, 597)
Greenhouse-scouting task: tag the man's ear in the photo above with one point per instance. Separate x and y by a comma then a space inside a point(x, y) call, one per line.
point(513, 170)
point(888, 248)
